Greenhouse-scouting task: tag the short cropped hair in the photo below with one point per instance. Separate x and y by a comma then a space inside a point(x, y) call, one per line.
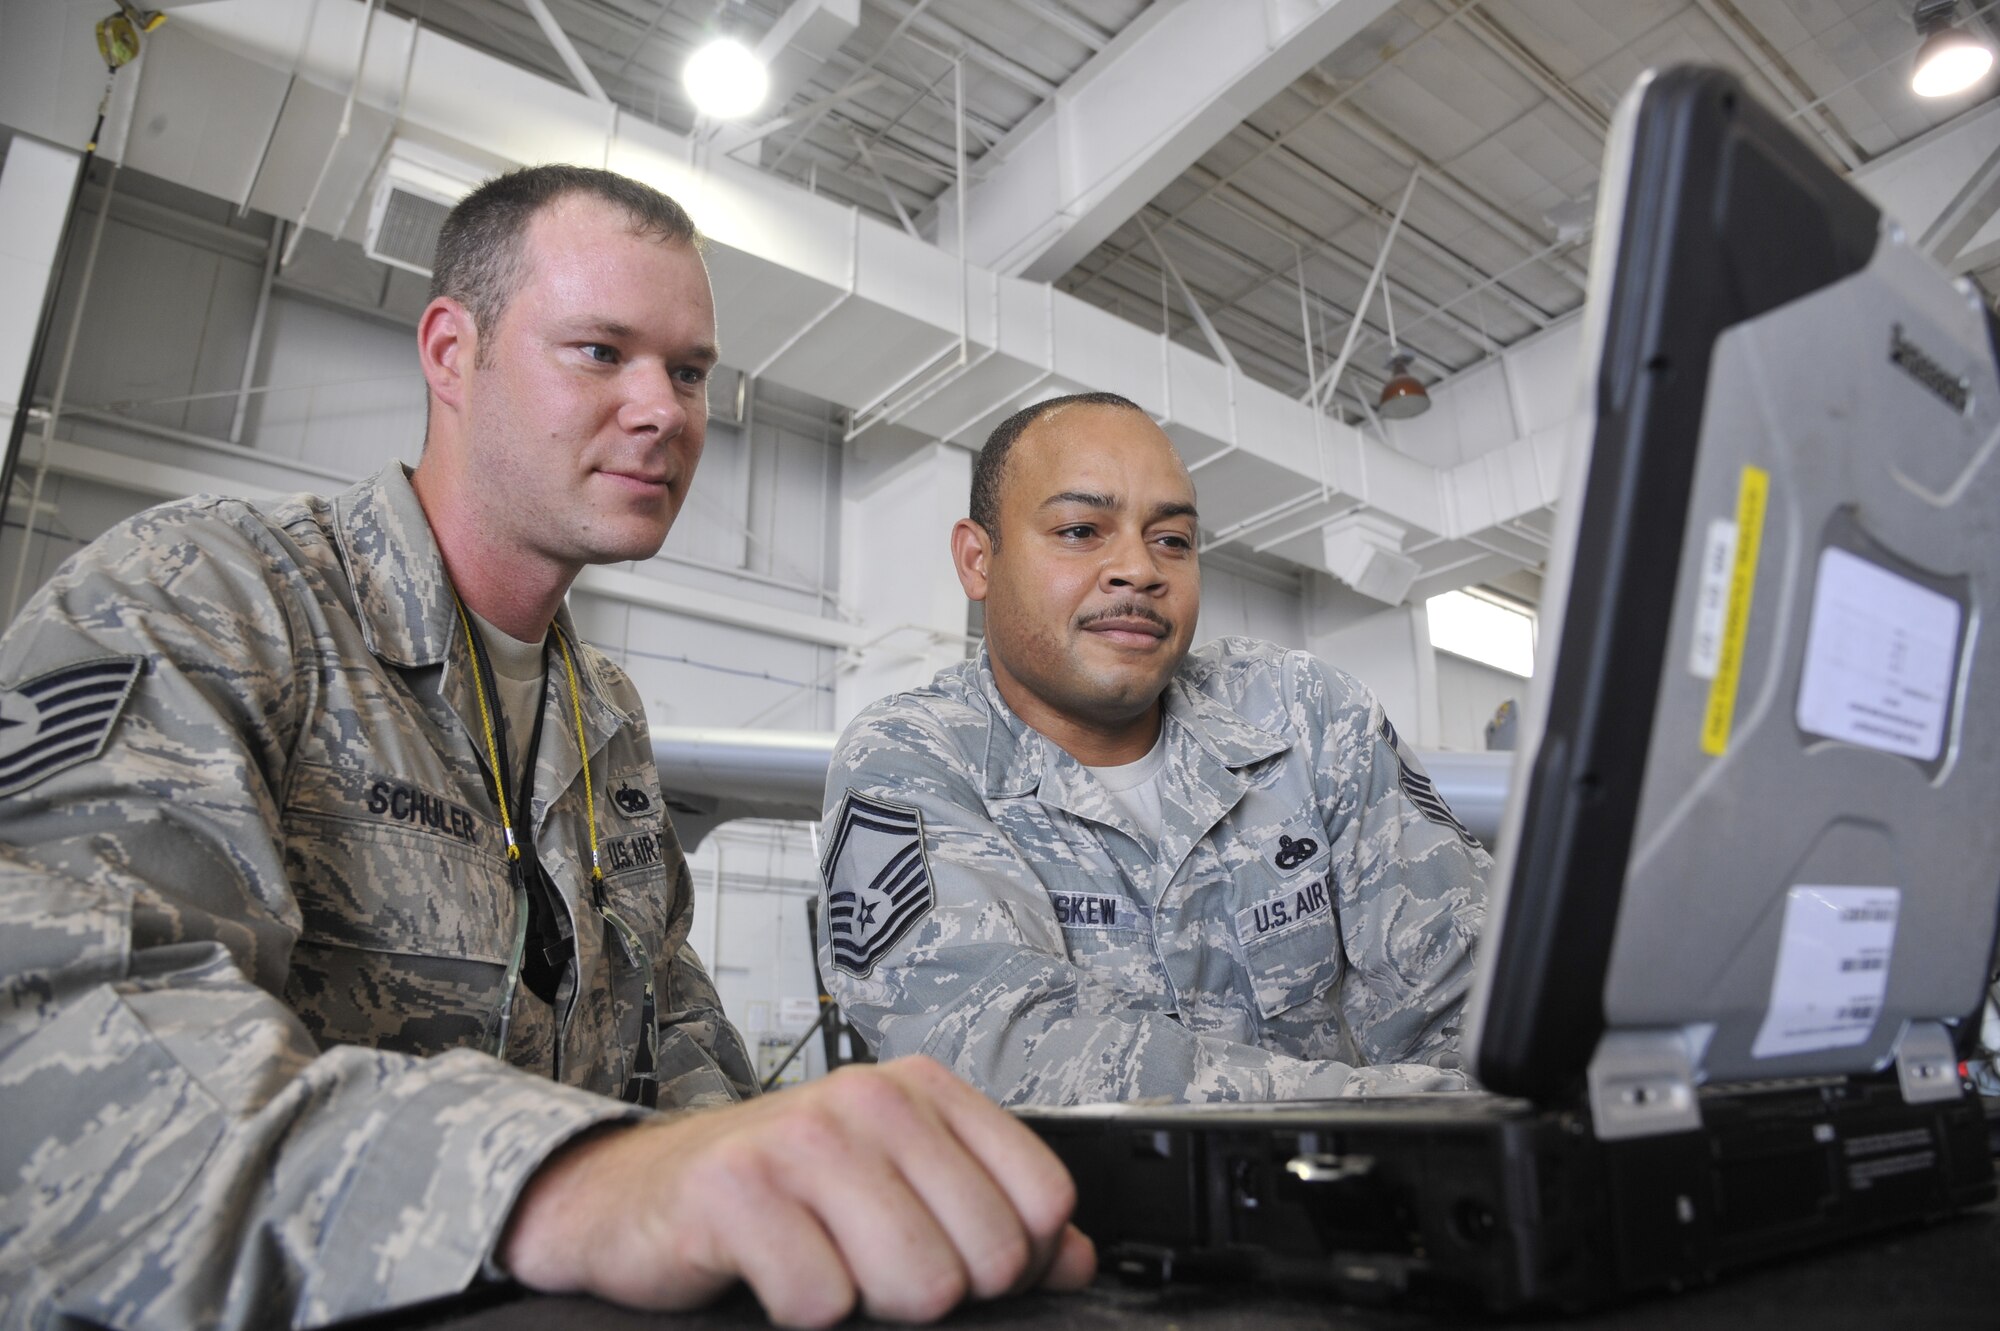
point(479, 247)
point(990, 467)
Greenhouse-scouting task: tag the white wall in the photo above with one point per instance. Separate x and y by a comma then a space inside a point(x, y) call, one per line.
point(1468, 695)
point(753, 935)
point(1250, 604)
point(345, 393)
point(897, 574)
point(1388, 648)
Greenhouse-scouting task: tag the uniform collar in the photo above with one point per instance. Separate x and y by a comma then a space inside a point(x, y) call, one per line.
point(1019, 758)
point(403, 594)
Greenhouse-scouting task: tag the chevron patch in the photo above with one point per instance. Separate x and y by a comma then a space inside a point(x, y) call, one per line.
point(1421, 792)
point(878, 881)
point(60, 719)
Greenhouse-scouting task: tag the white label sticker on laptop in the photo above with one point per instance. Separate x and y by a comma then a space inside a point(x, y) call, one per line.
point(1833, 969)
point(1718, 559)
point(1878, 659)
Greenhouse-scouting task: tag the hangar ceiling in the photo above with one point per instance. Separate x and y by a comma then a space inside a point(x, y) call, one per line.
point(1498, 109)
point(1218, 207)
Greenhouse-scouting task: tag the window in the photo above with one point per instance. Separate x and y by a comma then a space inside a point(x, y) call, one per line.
point(1485, 629)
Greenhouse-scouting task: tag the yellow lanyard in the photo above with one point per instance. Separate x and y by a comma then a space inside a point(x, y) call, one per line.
point(643, 1087)
point(493, 747)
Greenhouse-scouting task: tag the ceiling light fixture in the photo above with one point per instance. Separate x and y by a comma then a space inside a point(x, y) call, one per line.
point(1948, 60)
point(725, 80)
point(1403, 396)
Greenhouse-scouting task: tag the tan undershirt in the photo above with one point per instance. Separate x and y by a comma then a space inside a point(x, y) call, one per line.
point(518, 674)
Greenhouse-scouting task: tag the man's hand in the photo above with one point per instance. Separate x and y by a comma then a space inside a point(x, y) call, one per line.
point(897, 1186)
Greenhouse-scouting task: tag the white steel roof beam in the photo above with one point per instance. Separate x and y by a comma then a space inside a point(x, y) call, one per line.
point(1940, 188)
point(1142, 111)
point(1385, 140)
point(567, 50)
point(1521, 305)
point(1325, 106)
point(909, 17)
point(1525, 63)
point(1316, 247)
point(1057, 17)
point(804, 38)
point(976, 51)
point(1783, 79)
point(1246, 324)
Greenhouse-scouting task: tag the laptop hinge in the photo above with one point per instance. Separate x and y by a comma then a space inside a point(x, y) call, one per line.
point(1926, 1063)
point(1642, 1085)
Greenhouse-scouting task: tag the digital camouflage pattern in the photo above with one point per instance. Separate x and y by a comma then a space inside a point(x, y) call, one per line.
point(1304, 928)
point(252, 953)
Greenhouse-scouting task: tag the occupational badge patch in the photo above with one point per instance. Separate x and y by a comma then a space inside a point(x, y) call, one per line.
point(878, 881)
point(631, 801)
point(1291, 852)
point(62, 718)
point(1420, 790)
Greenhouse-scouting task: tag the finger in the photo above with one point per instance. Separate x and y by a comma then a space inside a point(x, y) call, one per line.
point(1036, 1185)
point(993, 1243)
point(786, 1256)
point(904, 1264)
point(1075, 1263)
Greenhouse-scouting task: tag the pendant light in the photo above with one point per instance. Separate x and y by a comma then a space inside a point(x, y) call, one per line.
point(1949, 60)
point(1403, 396)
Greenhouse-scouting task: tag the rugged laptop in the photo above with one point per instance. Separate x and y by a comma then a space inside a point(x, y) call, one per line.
point(1746, 894)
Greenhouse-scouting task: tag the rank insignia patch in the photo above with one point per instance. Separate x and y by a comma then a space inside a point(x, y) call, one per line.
point(878, 881)
point(62, 718)
point(1420, 790)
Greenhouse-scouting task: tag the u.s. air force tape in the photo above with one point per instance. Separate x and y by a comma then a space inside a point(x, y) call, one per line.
point(60, 719)
point(1422, 793)
point(878, 881)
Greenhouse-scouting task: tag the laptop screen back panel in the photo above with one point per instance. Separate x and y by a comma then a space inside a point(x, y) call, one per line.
point(1648, 864)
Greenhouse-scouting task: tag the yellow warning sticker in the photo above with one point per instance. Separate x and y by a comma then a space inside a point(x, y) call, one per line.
point(1751, 493)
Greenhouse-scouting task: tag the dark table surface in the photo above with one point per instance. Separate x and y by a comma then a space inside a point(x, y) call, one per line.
point(1945, 1275)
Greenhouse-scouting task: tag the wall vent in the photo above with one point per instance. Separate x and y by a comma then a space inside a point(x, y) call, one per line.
point(416, 191)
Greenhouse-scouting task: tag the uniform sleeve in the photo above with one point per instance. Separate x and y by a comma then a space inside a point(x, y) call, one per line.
point(1410, 880)
point(979, 977)
point(178, 1152)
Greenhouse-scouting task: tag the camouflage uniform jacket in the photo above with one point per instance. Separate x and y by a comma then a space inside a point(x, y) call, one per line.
point(256, 923)
point(1310, 908)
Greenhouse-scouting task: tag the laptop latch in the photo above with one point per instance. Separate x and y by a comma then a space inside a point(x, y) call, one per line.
point(1642, 1085)
point(1926, 1063)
